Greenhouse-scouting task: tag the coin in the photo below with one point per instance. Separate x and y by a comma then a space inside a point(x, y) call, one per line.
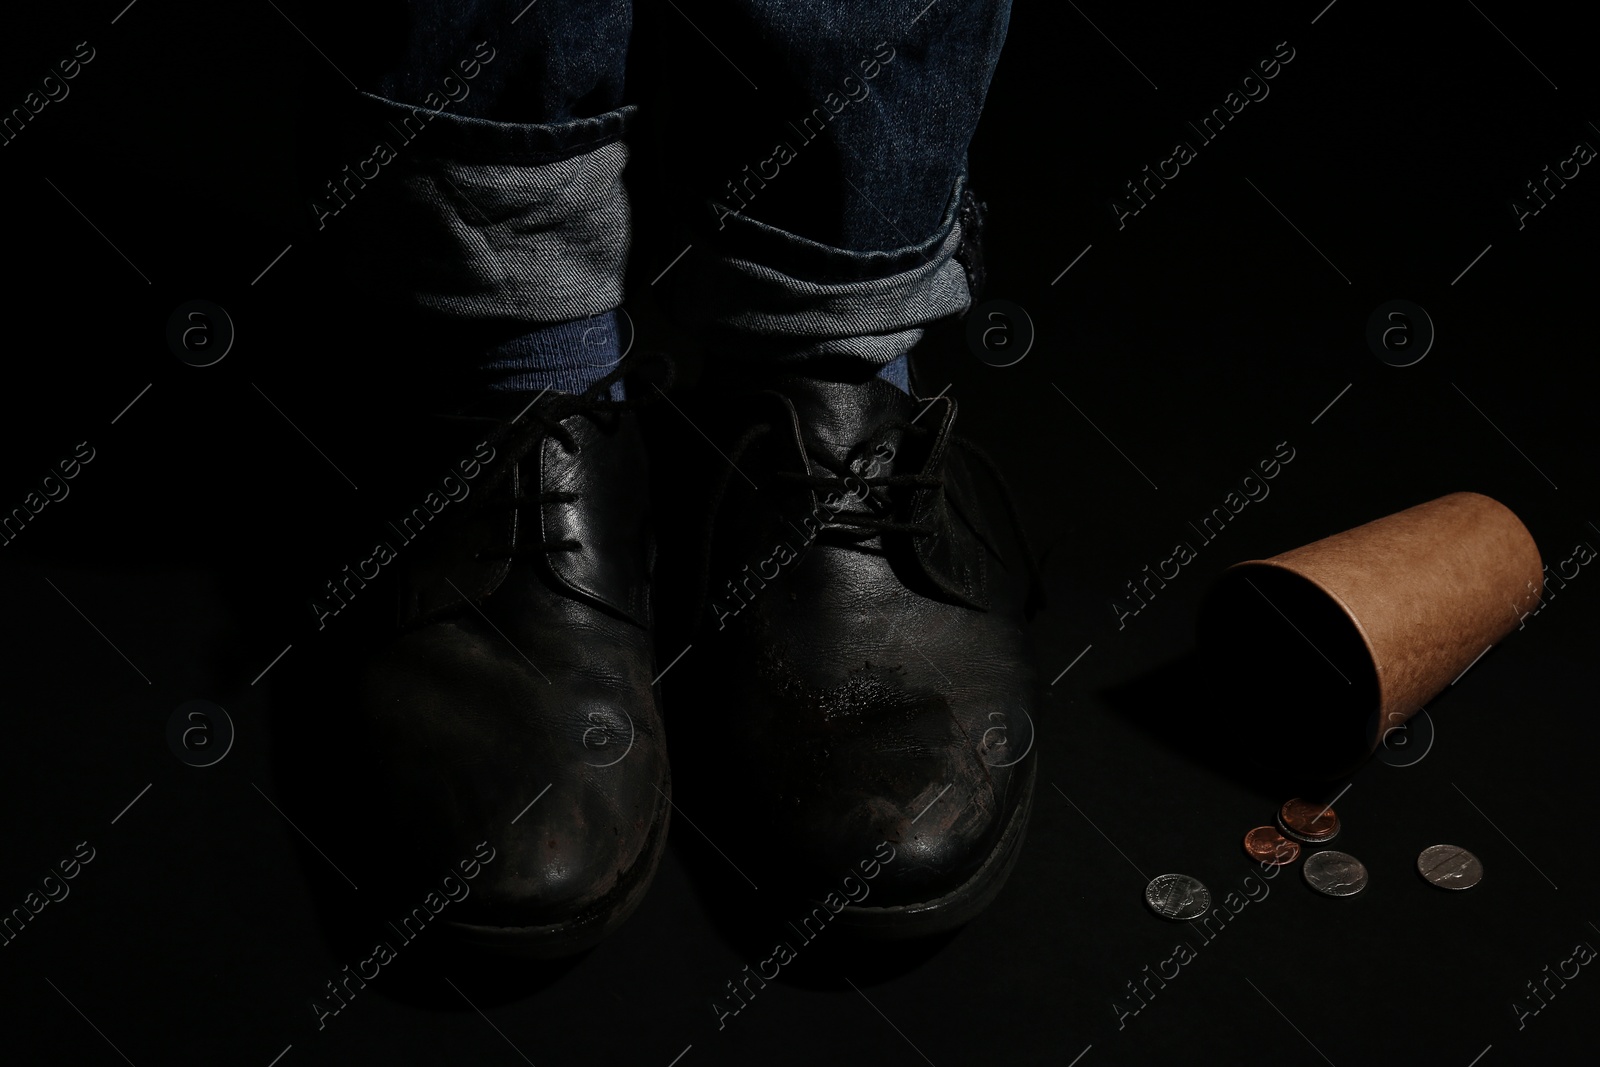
point(1449, 867)
point(1177, 896)
point(1338, 874)
point(1305, 839)
point(1308, 822)
point(1266, 844)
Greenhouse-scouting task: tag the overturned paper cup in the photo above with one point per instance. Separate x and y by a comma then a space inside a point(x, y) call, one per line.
point(1332, 646)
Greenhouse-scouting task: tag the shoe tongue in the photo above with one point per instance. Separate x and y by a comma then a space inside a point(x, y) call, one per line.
point(841, 419)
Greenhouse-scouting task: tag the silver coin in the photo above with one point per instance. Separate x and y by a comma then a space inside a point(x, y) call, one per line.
point(1337, 874)
point(1177, 896)
point(1450, 867)
point(1306, 839)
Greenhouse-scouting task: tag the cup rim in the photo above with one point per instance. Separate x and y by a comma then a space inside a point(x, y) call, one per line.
point(1372, 663)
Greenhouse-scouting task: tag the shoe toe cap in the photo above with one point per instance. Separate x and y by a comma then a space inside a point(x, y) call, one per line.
point(578, 860)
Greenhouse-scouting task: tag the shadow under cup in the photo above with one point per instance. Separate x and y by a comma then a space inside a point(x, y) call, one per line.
point(1317, 653)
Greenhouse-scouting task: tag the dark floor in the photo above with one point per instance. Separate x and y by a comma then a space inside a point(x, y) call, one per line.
point(1227, 316)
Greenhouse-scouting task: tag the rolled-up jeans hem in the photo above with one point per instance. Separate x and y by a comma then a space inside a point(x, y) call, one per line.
point(496, 223)
point(801, 300)
point(467, 139)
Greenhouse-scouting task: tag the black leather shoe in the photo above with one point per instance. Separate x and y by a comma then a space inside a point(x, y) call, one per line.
point(514, 705)
point(863, 608)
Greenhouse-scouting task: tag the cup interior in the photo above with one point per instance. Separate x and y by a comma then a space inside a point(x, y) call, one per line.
point(1296, 680)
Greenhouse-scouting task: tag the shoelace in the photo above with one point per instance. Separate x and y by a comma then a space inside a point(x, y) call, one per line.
point(859, 526)
point(544, 419)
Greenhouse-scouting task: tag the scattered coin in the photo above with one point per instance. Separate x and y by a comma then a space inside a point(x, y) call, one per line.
point(1177, 896)
point(1267, 845)
point(1337, 874)
point(1449, 867)
point(1312, 823)
point(1307, 839)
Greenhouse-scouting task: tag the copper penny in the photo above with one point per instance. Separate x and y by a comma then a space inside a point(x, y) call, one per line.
point(1267, 845)
point(1309, 822)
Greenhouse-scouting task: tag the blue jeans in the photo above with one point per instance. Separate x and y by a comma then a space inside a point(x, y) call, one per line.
point(813, 155)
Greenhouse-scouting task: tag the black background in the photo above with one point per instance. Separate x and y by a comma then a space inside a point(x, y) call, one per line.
point(1196, 338)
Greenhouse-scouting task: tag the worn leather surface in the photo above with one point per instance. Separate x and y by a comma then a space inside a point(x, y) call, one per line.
point(528, 681)
point(874, 682)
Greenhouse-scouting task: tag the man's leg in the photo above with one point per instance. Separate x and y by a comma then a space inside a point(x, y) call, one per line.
point(866, 577)
point(826, 206)
point(510, 714)
point(493, 206)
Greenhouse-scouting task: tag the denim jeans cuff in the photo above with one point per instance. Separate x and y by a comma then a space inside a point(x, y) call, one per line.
point(762, 293)
point(466, 139)
point(492, 222)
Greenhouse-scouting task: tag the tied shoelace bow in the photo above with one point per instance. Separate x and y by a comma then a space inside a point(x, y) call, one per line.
point(541, 419)
point(860, 526)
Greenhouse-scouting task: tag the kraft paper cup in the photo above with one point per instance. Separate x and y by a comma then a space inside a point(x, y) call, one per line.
point(1330, 647)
